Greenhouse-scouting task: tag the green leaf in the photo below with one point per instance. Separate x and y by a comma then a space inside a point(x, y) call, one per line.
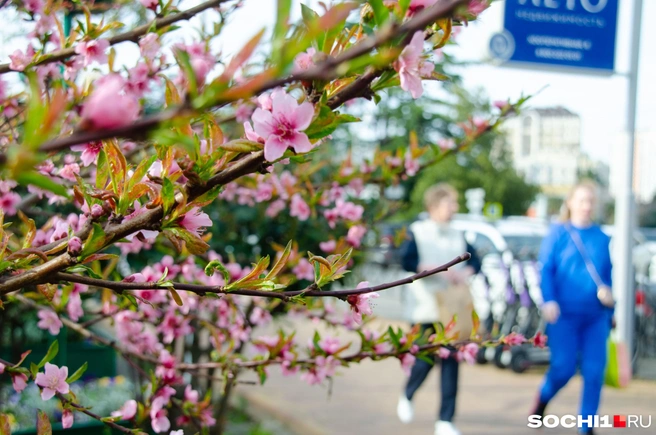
point(53, 350)
point(34, 369)
point(381, 13)
point(195, 245)
point(427, 359)
point(5, 427)
point(327, 122)
point(216, 264)
point(102, 174)
point(394, 337)
point(94, 242)
point(78, 373)
point(281, 262)
point(43, 426)
point(168, 195)
point(184, 62)
point(140, 171)
point(35, 115)
point(80, 268)
point(281, 27)
point(176, 296)
point(404, 5)
point(43, 182)
point(241, 146)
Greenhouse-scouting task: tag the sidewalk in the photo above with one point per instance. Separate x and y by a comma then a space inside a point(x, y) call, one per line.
point(491, 401)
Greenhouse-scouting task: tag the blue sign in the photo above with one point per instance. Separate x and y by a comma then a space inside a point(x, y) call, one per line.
point(574, 33)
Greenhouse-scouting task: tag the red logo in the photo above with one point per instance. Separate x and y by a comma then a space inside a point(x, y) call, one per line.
point(619, 421)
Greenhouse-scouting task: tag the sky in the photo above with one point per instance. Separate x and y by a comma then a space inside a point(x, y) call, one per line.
point(600, 101)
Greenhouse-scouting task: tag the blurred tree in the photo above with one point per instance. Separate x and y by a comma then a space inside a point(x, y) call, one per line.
point(647, 214)
point(486, 164)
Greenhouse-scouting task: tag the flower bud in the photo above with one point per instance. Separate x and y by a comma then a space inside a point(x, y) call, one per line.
point(74, 246)
point(97, 211)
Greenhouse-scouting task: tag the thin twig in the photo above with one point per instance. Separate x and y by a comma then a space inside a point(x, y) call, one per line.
point(121, 286)
point(132, 35)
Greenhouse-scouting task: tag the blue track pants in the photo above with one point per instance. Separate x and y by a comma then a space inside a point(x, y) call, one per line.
point(578, 340)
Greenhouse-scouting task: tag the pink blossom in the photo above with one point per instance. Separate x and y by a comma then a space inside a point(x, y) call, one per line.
point(393, 162)
point(19, 381)
point(286, 365)
point(360, 303)
point(19, 60)
point(282, 127)
point(109, 106)
point(299, 208)
point(158, 415)
point(349, 211)
point(69, 171)
point(33, 6)
point(475, 7)
point(443, 352)
point(304, 61)
point(275, 208)
point(304, 270)
point(194, 221)
point(190, 395)
point(149, 45)
point(355, 235)
point(2, 368)
point(412, 166)
point(67, 418)
point(330, 345)
point(500, 104)
point(243, 112)
point(446, 144)
point(265, 102)
point(93, 50)
point(127, 411)
point(260, 316)
point(514, 339)
point(327, 365)
point(7, 185)
point(50, 321)
point(407, 361)
point(331, 216)
point(138, 80)
point(417, 5)
point(8, 202)
point(411, 67)
point(149, 4)
point(89, 151)
point(52, 381)
point(97, 211)
point(468, 353)
point(174, 326)
point(201, 67)
point(540, 340)
point(328, 246)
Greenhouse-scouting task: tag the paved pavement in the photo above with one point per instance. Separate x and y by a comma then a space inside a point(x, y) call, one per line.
point(362, 400)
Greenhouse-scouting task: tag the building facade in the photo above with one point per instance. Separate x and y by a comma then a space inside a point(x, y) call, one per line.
point(545, 144)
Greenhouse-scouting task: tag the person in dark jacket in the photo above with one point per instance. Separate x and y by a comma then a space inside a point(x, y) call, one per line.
point(578, 305)
point(431, 243)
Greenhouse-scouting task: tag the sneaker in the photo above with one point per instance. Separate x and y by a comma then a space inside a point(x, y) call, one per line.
point(405, 410)
point(445, 428)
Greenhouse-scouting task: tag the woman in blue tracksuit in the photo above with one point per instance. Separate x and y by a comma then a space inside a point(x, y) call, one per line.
point(576, 280)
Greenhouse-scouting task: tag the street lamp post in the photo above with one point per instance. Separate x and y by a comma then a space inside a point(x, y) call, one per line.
point(624, 203)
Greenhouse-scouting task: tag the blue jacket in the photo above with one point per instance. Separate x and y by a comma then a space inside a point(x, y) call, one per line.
point(565, 278)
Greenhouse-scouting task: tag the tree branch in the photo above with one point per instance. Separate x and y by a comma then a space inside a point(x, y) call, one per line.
point(132, 35)
point(326, 70)
point(120, 286)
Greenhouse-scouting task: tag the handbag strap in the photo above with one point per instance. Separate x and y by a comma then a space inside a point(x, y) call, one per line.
point(592, 270)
